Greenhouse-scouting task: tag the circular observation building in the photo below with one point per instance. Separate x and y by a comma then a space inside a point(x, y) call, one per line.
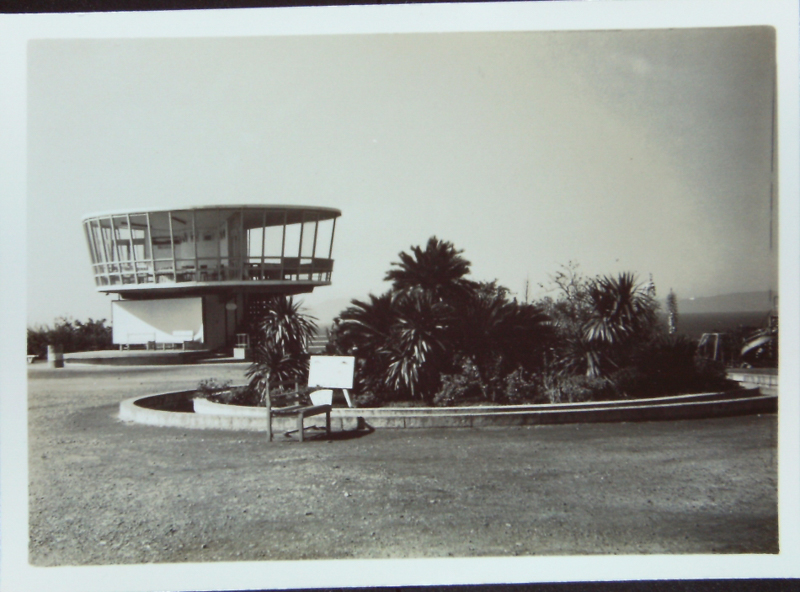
point(198, 276)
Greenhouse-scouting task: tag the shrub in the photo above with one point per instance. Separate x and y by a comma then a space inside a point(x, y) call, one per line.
point(521, 387)
point(669, 365)
point(458, 389)
point(578, 389)
point(71, 335)
point(367, 399)
point(209, 387)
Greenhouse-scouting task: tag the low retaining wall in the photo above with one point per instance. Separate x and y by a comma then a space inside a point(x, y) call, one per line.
point(208, 415)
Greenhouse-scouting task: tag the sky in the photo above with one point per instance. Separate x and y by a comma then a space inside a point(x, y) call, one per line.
point(645, 151)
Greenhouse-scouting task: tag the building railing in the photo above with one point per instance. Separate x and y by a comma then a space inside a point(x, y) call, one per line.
point(213, 269)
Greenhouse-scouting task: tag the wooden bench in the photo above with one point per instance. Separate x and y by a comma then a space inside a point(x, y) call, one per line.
point(321, 403)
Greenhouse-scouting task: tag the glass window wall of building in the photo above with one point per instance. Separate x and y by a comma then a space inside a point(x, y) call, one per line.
point(210, 245)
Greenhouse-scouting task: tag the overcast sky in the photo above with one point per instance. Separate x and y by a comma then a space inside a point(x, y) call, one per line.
point(646, 151)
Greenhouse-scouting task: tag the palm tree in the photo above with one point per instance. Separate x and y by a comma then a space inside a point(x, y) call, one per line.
point(417, 351)
point(401, 342)
point(600, 322)
point(280, 355)
point(622, 313)
point(439, 269)
point(363, 330)
point(620, 309)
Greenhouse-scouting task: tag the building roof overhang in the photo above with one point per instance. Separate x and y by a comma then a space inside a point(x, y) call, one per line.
point(323, 213)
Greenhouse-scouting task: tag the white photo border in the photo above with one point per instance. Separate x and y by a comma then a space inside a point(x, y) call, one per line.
point(15, 33)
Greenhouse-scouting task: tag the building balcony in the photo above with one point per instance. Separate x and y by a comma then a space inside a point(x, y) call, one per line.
point(213, 249)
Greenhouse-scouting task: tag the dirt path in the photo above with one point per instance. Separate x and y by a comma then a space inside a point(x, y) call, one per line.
point(106, 492)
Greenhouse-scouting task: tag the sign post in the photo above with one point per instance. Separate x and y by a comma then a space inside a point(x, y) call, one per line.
point(268, 406)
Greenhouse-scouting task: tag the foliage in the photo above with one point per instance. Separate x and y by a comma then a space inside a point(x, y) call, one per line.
point(367, 399)
point(210, 386)
point(458, 388)
point(672, 312)
point(280, 355)
point(499, 335)
point(247, 395)
point(417, 351)
point(521, 387)
point(440, 338)
point(623, 315)
point(363, 330)
point(599, 321)
point(577, 388)
point(71, 335)
point(439, 270)
point(667, 365)
point(433, 321)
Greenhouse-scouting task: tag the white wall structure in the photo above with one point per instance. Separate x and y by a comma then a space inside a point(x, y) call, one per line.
point(176, 320)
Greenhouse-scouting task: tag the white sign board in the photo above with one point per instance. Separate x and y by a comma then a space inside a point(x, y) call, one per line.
point(331, 371)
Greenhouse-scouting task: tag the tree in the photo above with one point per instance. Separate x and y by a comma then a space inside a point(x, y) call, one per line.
point(599, 321)
point(71, 335)
point(672, 312)
point(439, 269)
point(620, 309)
point(363, 331)
point(280, 354)
point(623, 315)
point(418, 349)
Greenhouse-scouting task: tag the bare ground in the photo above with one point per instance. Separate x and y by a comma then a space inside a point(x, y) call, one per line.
point(105, 492)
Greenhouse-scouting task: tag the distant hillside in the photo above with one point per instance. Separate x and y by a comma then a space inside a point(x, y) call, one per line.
point(727, 303)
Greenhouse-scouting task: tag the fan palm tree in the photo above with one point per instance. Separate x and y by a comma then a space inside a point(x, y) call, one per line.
point(439, 270)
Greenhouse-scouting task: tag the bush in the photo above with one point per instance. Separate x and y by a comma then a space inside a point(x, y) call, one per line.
point(459, 388)
point(367, 399)
point(248, 395)
point(578, 389)
point(209, 386)
point(71, 335)
point(669, 365)
point(521, 387)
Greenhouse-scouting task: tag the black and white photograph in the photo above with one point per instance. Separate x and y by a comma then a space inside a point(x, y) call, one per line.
point(448, 294)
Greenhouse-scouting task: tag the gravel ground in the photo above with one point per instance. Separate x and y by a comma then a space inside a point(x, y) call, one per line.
point(105, 492)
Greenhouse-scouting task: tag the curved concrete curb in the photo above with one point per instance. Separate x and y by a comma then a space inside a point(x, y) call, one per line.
point(208, 415)
point(137, 357)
